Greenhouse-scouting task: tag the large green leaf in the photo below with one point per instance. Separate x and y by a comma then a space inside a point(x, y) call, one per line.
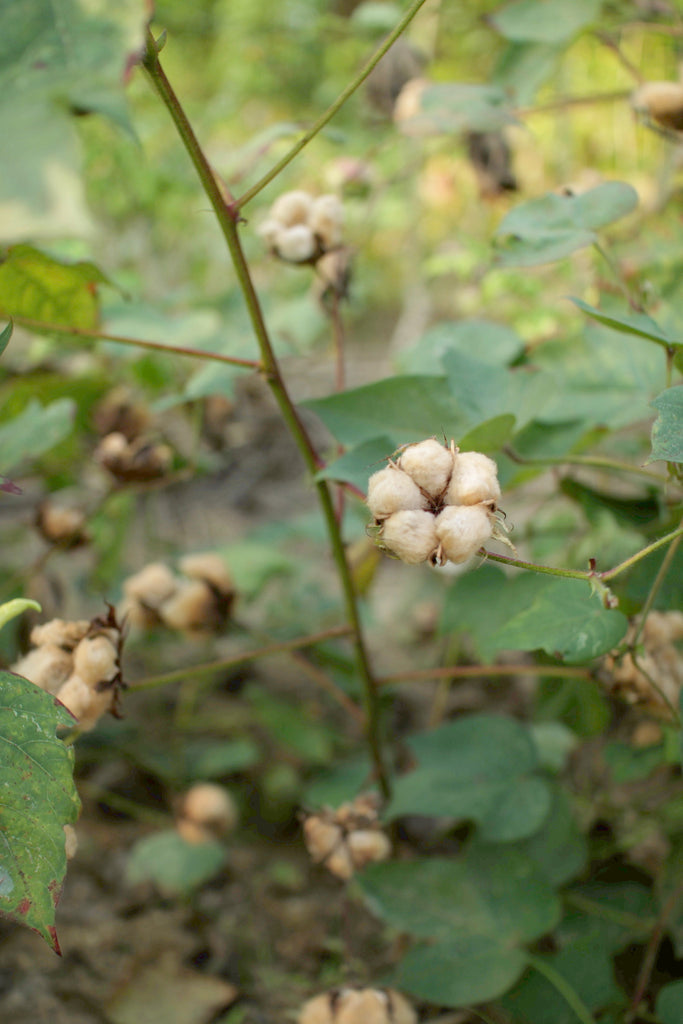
point(667, 430)
point(358, 464)
point(57, 56)
point(477, 912)
point(34, 285)
point(172, 864)
point(639, 324)
point(37, 798)
point(553, 226)
point(545, 21)
point(481, 768)
point(567, 621)
point(403, 408)
point(493, 343)
point(482, 391)
point(449, 107)
point(670, 1003)
point(35, 431)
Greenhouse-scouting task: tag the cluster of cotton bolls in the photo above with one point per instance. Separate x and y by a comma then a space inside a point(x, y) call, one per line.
point(348, 838)
point(196, 601)
point(435, 503)
point(301, 228)
point(78, 662)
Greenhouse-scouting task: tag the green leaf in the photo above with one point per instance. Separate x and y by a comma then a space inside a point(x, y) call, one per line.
point(56, 57)
point(34, 285)
point(358, 464)
point(559, 848)
point(477, 911)
point(251, 564)
point(35, 431)
point(565, 620)
point(545, 21)
point(480, 768)
point(482, 391)
point(172, 864)
point(553, 226)
point(523, 67)
point(670, 1003)
point(449, 107)
point(10, 609)
point(290, 727)
point(38, 799)
point(667, 430)
point(5, 336)
point(405, 409)
point(490, 342)
point(639, 324)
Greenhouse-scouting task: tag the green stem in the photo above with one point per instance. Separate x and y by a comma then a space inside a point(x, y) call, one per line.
point(568, 993)
point(654, 589)
point(596, 461)
point(332, 110)
point(476, 671)
point(156, 346)
point(643, 553)
point(572, 574)
point(227, 215)
point(225, 664)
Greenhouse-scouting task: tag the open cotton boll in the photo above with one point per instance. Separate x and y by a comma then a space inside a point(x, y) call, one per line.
point(296, 244)
point(209, 567)
point(321, 836)
point(474, 479)
point(96, 660)
point(210, 807)
point(47, 666)
point(269, 231)
point(292, 208)
point(60, 632)
point(462, 529)
point(411, 535)
point(367, 845)
point(191, 607)
point(391, 490)
point(326, 220)
point(358, 1006)
point(662, 101)
point(429, 464)
point(85, 704)
point(152, 585)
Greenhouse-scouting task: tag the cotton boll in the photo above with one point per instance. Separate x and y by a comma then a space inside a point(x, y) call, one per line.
point(292, 208)
point(326, 220)
point(317, 1010)
point(96, 660)
point(367, 845)
point(340, 862)
point(661, 101)
point(192, 607)
point(462, 529)
point(321, 837)
point(474, 479)
point(209, 567)
point(391, 490)
point(60, 632)
point(82, 700)
point(70, 842)
point(430, 465)
point(210, 807)
point(152, 585)
point(48, 666)
point(296, 244)
point(411, 535)
point(269, 231)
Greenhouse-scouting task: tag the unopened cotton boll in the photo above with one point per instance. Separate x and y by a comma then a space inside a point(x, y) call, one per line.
point(411, 535)
point(391, 490)
point(462, 529)
point(326, 220)
point(296, 244)
point(429, 464)
point(96, 660)
point(474, 479)
point(661, 101)
point(210, 807)
point(47, 666)
point(292, 208)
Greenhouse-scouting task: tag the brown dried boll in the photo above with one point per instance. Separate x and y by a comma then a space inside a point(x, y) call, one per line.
point(410, 535)
point(60, 632)
point(96, 660)
point(59, 524)
point(120, 412)
point(462, 529)
point(662, 102)
point(47, 666)
point(137, 461)
point(474, 480)
point(391, 490)
point(358, 1006)
point(209, 808)
point(430, 465)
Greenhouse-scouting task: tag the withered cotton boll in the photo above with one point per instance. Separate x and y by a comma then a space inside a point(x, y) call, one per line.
point(474, 479)
point(462, 529)
point(410, 535)
point(429, 464)
point(391, 490)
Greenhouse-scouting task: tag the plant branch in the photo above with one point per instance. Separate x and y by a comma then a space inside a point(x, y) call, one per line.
point(594, 461)
point(654, 589)
point(227, 214)
point(225, 664)
point(157, 346)
point(479, 671)
point(331, 110)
